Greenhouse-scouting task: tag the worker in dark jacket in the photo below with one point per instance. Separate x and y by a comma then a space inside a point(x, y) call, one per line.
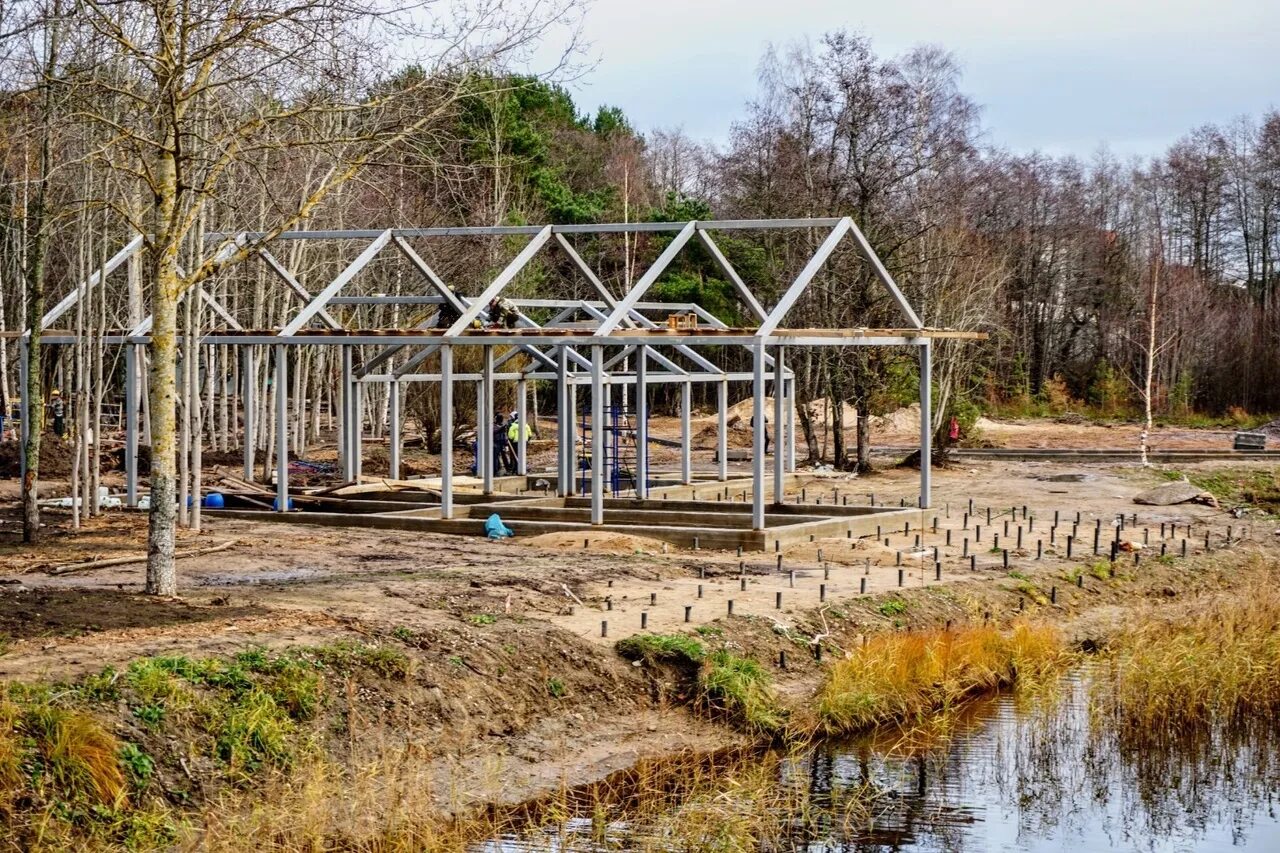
point(58, 411)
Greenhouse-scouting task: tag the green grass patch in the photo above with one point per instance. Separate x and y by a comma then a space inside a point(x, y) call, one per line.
point(892, 607)
point(742, 690)
point(1033, 592)
point(664, 648)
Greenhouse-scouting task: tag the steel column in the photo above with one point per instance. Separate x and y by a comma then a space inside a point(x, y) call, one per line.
point(522, 418)
point(597, 435)
point(926, 424)
point(686, 439)
point(779, 426)
point(757, 439)
point(790, 386)
point(131, 424)
point(249, 402)
point(24, 408)
point(573, 441)
point(282, 428)
point(344, 415)
point(642, 423)
point(446, 432)
point(564, 423)
point(486, 419)
point(722, 430)
point(357, 430)
point(393, 437)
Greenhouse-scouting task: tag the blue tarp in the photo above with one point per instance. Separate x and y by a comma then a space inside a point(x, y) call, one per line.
point(495, 529)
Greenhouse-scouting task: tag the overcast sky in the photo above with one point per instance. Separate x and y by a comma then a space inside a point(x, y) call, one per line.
point(1063, 76)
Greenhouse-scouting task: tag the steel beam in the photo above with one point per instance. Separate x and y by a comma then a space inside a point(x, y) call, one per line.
point(296, 286)
point(744, 292)
point(628, 302)
point(332, 289)
point(869, 255)
point(500, 283)
point(82, 288)
point(803, 280)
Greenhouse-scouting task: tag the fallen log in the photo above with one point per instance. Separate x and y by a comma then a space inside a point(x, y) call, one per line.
point(122, 561)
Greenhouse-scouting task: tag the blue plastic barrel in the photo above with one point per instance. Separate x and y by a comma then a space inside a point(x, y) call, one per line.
point(214, 500)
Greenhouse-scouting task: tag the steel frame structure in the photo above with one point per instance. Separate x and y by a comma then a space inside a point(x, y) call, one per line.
point(641, 351)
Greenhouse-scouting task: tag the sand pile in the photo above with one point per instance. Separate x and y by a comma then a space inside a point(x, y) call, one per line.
point(602, 542)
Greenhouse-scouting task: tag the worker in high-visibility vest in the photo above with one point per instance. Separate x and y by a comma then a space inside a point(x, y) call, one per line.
point(513, 429)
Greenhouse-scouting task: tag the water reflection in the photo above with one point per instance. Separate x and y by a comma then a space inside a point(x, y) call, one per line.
point(1035, 773)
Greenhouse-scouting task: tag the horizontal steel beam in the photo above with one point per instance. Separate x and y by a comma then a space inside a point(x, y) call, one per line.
point(530, 230)
point(625, 339)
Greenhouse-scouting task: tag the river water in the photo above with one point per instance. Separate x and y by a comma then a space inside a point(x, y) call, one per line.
point(1005, 773)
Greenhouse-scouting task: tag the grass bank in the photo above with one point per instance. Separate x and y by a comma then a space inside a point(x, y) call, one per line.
point(904, 677)
point(1216, 669)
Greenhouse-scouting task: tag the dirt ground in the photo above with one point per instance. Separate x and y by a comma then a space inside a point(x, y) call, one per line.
point(280, 585)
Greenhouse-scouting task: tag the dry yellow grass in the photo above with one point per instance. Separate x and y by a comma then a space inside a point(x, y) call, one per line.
point(902, 677)
point(1168, 678)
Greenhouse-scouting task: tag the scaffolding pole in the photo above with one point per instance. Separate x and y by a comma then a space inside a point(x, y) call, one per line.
point(722, 430)
point(522, 418)
point(131, 425)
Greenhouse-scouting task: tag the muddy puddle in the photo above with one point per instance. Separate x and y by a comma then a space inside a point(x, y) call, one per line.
point(1006, 773)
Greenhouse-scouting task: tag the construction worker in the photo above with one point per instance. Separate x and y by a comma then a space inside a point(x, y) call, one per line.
point(447, 314)
point(58, 411)
point(502, 455)
point(752, 424)
point(513, 429)
point(502, 314)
